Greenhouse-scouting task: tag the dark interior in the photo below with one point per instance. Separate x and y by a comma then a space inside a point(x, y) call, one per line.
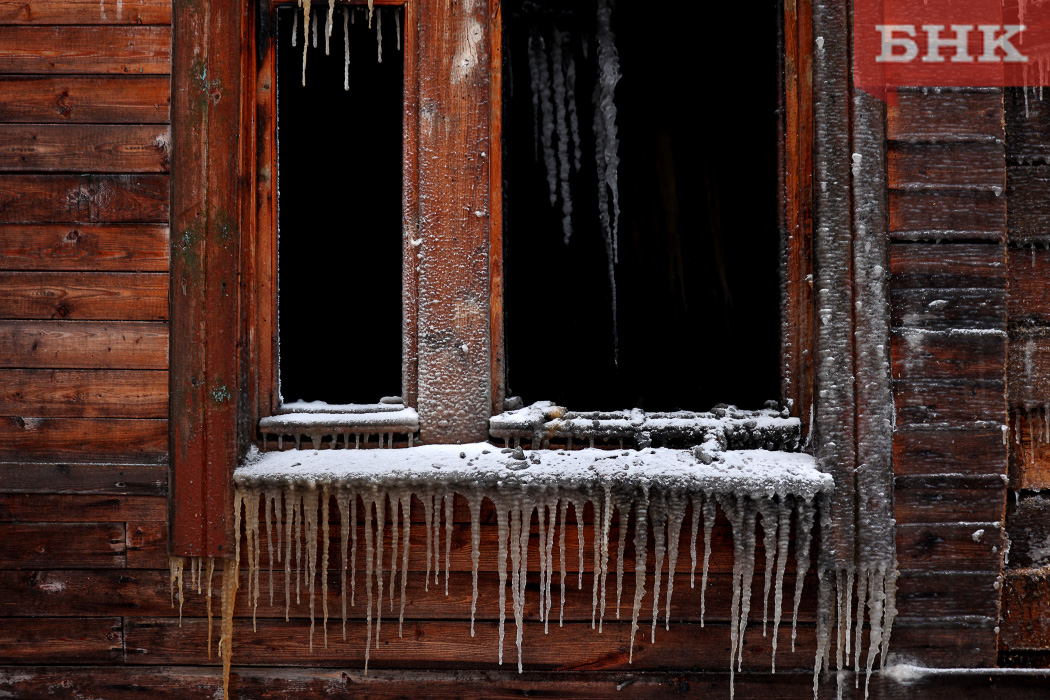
point(339, 212)
point(698, 276)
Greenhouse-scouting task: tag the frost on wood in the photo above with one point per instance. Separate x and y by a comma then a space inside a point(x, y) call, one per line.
point(649, 487)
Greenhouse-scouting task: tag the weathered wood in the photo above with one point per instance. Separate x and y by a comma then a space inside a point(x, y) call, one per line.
point(85, 12)
point(127, 248)
point(79, 99)
point(1028, 527)
point(940, 499)
point(71, 49)
point(51, 393)
point(84, 344)
point(1028, 215)
point(108, 479)
point(90, 296)
point(969, 452)
point(87, 640)
point(1028, 270)
point(959, 215)
point(949, 404)
point(264, 268)
point(1027, 127)
point(1029, 450)
point(940, 595)
point(1026, 597)
point(961, 265)
point(70, 508)
point(83, 439)
point(441, 644)
point(62, 546)
point(930, 356)
point(147, 593)
point(42, 199)
point(949, 547)
point(947, 644)
point(100, 148)
point(977, 167)
point(945, 308)
point(946, 117)
point(1028, 372)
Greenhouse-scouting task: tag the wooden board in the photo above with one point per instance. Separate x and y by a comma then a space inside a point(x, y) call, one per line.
point(1026, 597)
point(939, 499)
point(956, 216)
point(930, 356)
point(1029, 450)
point(84, 99)
point(940, 595)
point(109, 479)
point(89, 296)
point(84, 344)
point(946, 117)
point(948, 644)
point(68, 508)
point(949, 547)
point(931, 265)
point(969, 452)
point(96, 148)
point(84, 393)
point(949, 404)
point(63, 640)
point(62, 545)
point(945, 308)
point(85, 12)
point(1027, 127)
point(44, 199)
point(102, 247)
point(1028, 270)
point(977, 167)
point(84, 439)
point(1028, 371)
point(71, 49)
point(1028, 191)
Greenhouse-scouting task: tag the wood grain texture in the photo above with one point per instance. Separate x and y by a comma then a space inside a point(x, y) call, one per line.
point(83, 439)
point(101, 247)
point(85, 50)
point(948, 644)
point(956, 216)
point(85, 12)
point(946, 117)
point(1028, 371)
point(82, 479)
point(1027, 127)
point(1028, 270)
point(977, 167)
point(1028, 216)
point(1026, 597)
point(949, 547)
point(77, 508)
point(940, 595)
point(89, 296)
point(947, 308)
point(940, 499)
point(83, 344)
point(97, 148)
point(67, 99)
point(962, 265)
point(62, 546)
point(85, 640)
point(920, 355)
point(59, 198)
point(84, 393)
point(1029, 450)
point(970, 452)
point(949, 404)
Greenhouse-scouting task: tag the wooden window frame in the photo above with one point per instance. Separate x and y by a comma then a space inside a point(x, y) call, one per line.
point(223, 368)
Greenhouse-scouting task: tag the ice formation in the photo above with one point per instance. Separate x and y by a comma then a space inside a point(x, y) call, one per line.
point(531, 491)
point(310, 32)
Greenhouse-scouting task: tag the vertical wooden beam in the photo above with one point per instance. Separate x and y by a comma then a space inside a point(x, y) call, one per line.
point(411, 230)
point(495, 151)
point(455, 344)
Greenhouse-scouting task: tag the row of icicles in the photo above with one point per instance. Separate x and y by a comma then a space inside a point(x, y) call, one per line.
point(310, 32)
point(656, 513)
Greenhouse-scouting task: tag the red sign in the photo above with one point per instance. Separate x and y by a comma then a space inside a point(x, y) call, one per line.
point(950, 43)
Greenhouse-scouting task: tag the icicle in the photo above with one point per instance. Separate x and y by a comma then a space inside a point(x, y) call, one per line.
point(395, 502)
point(546, 117)
point(428, 515)
point(641, 515)
point(368, 500)
point(503, 531)
point(515, 567)
point(541, 518)
point(710, 512)
point(406, 509)
point(295, 31)
point(561, 119)
point(325, 495)
point(380, 522)
point(534, 78)
point(624, 507)
point(770, 527)
point(804, 516)
point(474, 504)
point(313, 28)
point(207, 600)
point(562, 508)
point(310, 527)
point(578, 509)
point(448, 535)
point(370, 10)
point(862, 597)
point(603, 560)
point(327, 36)
point(734, 512)
point(271, 499)
point(230, 576)
point(658, 522)
point(353, 545)
point(297, 522)
point(574, 120)
point(747, 574)
point(552, 514)
point(397, 34)
point(694, 524)
point(175, 565)
point(437, 537)
point(783, 538)
point(289, 517)
point(379, 52)
point(342, 501)
point(346, 87)
point(525, 516)
point(252, 526)
point(676, 514)
point(306, 41)
point(596, 557)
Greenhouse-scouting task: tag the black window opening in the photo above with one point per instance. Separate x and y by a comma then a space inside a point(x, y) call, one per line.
point(339, 208)
point(698, 279)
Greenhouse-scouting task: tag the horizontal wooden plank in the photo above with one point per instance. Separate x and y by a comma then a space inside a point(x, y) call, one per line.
point(948, 403)
point(147, 593)
point(81, 640)
point(97, 148)
point(1029, 449)
point(947, 595)
point(84, 99)
point(969, 452)
point(84, 439)
point(947, 216)
point(88, 296)
point(75, 49)
point(1028, 270)
point(60, 198)
point(1027, 127)
point(1028, 527)
point(53, 393)
point(84, 344)
point(924, 356)
point(946, 308)
point(76, 508)
point(958, 265)
point(62, 545)
point(85, 12)
point(970, 166)
point(114, 248)
point(941, 499)
point(945, 117)
point(1028, 372)
point(103, 479)
point(1026, 598)
point(1028, 191)
point(946, 644)
point(949, 547)
point(440, 644)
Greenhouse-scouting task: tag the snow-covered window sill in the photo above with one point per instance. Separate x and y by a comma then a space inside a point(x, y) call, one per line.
point(321, 422)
